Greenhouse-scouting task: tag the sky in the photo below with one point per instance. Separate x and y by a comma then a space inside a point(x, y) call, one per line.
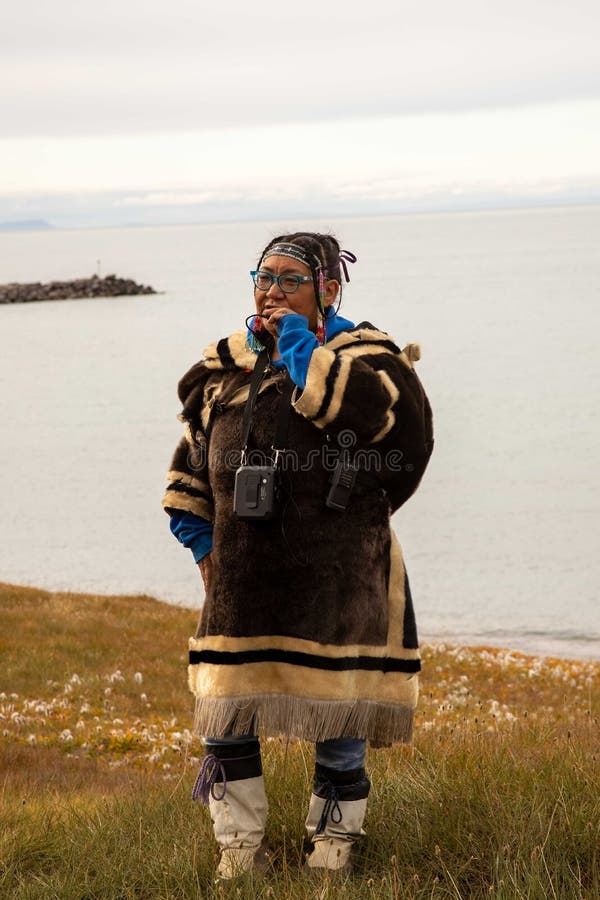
point(145, 112)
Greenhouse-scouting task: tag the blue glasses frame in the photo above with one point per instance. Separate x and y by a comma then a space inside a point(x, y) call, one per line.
point(298, 280)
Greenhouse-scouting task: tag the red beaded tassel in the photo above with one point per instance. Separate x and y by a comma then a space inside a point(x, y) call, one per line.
point(321, 334)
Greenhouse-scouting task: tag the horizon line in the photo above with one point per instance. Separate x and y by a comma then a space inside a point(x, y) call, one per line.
point(46, 225)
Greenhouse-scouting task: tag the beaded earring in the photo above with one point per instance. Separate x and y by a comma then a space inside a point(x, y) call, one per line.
point(321, 334)
point(321, 311)
point(252, 341)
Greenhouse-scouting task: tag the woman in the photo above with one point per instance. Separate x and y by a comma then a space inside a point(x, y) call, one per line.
point(304, 432)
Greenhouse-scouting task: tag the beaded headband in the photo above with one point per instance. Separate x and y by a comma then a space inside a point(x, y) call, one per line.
point(297, 252)
point(294, 251)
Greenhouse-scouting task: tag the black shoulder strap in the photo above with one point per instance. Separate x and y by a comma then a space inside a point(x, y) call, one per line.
point(283, 409)
point(259, 371)
point(283, 413)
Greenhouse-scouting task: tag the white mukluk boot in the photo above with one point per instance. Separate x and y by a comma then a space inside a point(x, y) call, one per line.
point(231, 783)
point(336, 813)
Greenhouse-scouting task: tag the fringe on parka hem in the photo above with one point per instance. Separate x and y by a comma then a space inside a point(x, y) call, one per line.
point(305, 719)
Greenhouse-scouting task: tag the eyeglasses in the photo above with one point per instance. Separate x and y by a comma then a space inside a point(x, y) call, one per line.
point(288, 283)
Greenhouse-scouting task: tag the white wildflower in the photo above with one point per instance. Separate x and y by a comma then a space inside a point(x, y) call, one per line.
point(31, 739)
point(107, 692)
point(143, 698)
point(75, 679)
point(138, 677)
point(80, 724)
point(65, 736)
point(84, 708)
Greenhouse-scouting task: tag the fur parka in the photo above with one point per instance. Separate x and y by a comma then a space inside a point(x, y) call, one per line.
point(308, 626)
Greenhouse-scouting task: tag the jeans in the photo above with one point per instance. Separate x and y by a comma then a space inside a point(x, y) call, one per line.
point(341, 754)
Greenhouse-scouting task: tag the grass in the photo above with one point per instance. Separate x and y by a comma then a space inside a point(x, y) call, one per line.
point(499, 796)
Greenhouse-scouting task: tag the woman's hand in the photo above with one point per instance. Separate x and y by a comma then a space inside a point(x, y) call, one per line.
point(206, 569)
point(274, 314)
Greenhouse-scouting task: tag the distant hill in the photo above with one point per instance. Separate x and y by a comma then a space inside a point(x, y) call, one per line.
point(27, 225)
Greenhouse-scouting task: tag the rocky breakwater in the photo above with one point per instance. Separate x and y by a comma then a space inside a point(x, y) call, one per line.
point(110, 286)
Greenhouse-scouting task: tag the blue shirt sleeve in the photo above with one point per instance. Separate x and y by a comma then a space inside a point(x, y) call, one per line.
point(193, 532)
point(296, 343)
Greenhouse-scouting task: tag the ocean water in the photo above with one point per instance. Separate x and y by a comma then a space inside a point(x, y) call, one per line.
point(501, 540)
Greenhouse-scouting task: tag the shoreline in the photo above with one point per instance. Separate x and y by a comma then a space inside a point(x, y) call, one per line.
point(510, 645)
point(539, 646)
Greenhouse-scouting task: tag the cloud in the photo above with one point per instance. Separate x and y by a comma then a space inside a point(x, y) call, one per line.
point(527, 142)
point(143, 67)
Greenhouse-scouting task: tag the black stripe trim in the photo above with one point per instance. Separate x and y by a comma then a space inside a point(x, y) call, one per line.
point(186, 489)
point(368, 341)
point(225, 354)
point(308, 660)
point(388, 345)
point(409, 627)
point(332, 375)
point(381, 362)
point(330, 381)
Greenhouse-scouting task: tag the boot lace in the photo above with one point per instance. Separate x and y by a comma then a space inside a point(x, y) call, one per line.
point(207, 777)
point(331, 808)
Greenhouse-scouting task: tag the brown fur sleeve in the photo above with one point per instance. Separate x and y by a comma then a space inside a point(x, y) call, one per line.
point(370, 390)
point(355, 387)
point(188, 486)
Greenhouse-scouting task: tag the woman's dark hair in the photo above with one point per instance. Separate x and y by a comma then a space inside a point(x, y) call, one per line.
point(322, 247)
